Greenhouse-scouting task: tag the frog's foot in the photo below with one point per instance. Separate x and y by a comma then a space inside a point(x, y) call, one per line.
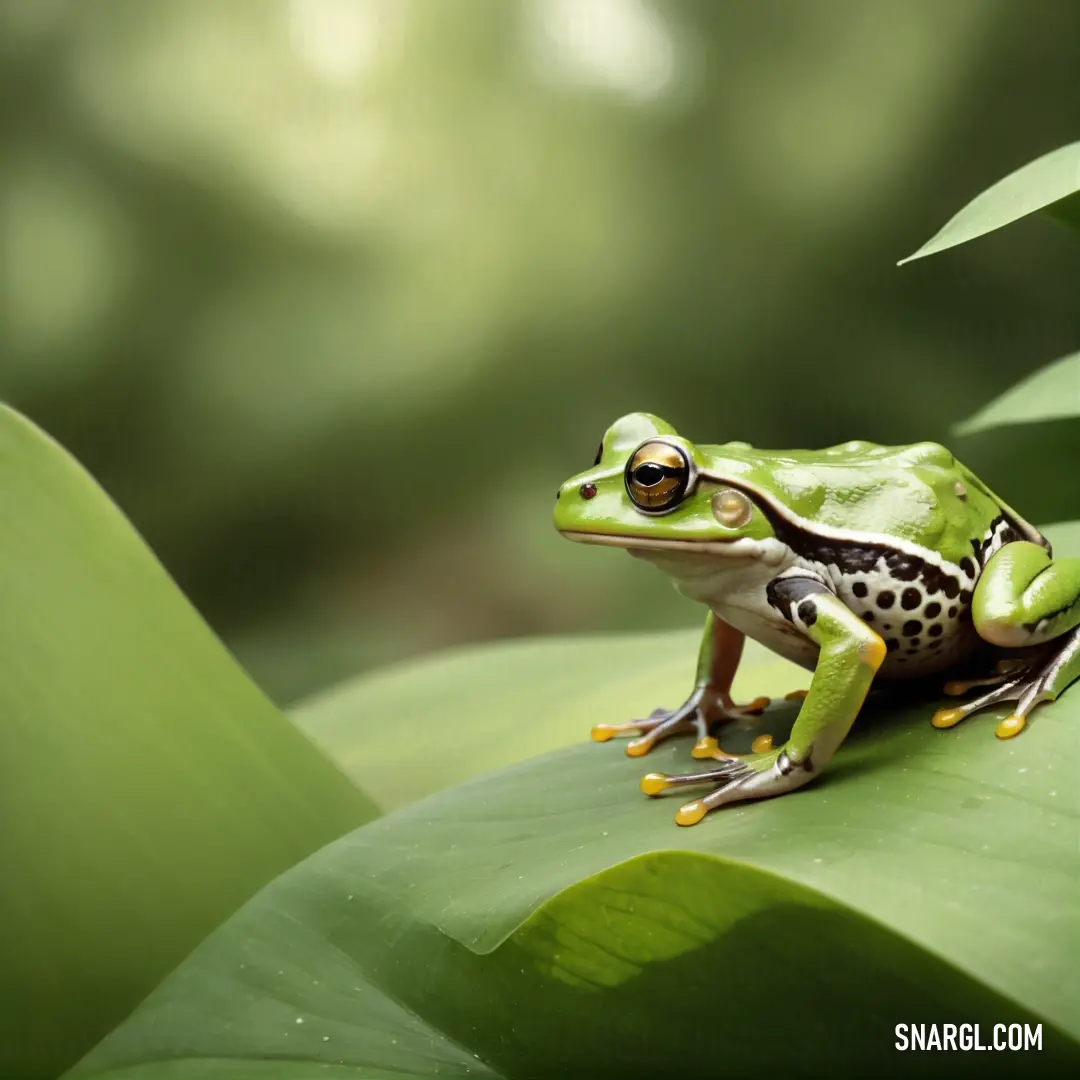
point(756, 707)
point(656, 727)
point(1020, 681)
point(708, 746)
point(696, 715)
point(757, 776)
point(1005, 671)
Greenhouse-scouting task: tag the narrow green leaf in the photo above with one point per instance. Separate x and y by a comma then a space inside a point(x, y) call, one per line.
point(549, 918)
point(1051, 393)
point(1043, 184)
point(426, 725)
point(148, 787)
point(1032, 465)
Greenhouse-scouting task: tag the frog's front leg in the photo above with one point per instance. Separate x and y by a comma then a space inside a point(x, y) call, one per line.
point(850, 655)
point(1024, 598)
point(709, 702)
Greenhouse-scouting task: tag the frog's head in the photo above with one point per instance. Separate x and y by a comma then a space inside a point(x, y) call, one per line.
point(650, 488)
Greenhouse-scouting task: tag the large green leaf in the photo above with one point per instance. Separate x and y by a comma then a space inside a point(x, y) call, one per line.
point(548, 918)
point(425, 725)
point(1050, 183)
point(148, 788)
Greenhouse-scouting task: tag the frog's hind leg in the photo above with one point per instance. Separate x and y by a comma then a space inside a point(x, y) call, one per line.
point(1025, 598)
point(1004, 671)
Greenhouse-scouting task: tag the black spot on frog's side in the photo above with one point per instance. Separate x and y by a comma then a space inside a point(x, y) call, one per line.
point(793, 596)
point(902, 566)
point(932, 610)
point(910, 599)
point(936, 580)
point(847, 558)
point(912, 628)
point(885, 599)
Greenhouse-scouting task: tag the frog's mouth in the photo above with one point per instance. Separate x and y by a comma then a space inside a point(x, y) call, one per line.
point(738, 548)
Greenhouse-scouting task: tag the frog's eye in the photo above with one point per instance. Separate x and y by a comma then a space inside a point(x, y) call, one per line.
point(731, 508)
point(657, 476)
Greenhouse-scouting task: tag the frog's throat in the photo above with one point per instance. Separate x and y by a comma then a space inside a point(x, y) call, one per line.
point(769, 550)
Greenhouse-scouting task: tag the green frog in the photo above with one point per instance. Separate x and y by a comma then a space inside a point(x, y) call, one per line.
point(858, 562)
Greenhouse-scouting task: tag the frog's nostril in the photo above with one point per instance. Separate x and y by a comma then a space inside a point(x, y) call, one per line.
point(557, 494)
point(588, 491)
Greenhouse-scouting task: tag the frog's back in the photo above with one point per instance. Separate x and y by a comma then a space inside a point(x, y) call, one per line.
point(901, 533)
point(918, 494)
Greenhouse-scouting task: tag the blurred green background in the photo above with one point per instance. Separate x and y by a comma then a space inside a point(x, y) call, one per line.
point(332, 294)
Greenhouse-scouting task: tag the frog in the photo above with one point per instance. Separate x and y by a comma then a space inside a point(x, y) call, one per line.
point(860, 562)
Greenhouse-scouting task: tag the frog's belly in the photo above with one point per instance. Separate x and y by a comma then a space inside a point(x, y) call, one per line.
point(777, 635)
point(780, 637)
point(738, 595)
point(956, 645)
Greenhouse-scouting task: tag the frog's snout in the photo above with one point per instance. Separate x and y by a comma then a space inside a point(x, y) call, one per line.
point(574, 506)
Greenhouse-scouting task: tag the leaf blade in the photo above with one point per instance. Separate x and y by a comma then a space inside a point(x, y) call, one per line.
point(1051, 393)
point(1041, 184)
point(541, 916)
point(149, 788)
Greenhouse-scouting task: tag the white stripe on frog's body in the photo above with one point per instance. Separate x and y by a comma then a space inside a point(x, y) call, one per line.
point(793, 524)
point(1001, 532)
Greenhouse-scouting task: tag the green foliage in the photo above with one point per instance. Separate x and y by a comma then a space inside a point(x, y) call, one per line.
point(549, 917)
point(1034, 421)
point(1051, 393)
point(522, 910)
point(1051, 183)
point(149, 788)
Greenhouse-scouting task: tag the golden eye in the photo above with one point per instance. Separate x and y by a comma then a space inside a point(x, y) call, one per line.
point(657, 475)
point(731, 508)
